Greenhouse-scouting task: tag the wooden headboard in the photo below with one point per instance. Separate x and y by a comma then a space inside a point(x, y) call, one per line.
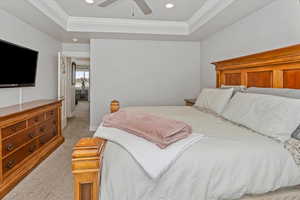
point(278, 68)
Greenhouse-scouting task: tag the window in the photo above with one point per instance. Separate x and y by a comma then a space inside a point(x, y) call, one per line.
point(82, 79)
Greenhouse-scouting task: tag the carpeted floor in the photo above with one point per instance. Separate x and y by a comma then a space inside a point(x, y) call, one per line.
point(52, 179)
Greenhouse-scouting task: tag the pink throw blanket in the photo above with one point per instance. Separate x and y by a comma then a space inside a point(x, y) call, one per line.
point(158, 130)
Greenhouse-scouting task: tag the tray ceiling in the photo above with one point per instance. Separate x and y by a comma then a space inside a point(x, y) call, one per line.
point(182, 10)
point(189, 20)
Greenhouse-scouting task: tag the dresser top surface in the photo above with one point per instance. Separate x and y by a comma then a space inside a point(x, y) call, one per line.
point(19, 108)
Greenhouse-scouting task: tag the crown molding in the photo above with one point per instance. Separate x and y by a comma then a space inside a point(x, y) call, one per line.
point(92, 24)
point(208, 11)
point(52, 10)
point(113, 25)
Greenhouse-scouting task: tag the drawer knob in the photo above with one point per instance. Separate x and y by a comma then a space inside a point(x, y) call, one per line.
point(32, 148)
point(42, 129)
point(52, 113)
point(9, 147)
point(10, 164)
point(31, 135)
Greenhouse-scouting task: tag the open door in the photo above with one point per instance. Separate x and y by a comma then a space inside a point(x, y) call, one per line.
point(62, 89)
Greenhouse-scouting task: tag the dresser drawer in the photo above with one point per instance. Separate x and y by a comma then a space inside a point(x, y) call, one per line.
point(43, 128)
point(12, 143)
point(51, 113)
point(9, 130)
point(11, 161)
point(36, 119)
point(53, 123)
point(47, 137)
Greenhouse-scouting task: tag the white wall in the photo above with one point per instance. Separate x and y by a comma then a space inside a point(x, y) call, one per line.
point(274, 26)
point(139, 73)
point(18, 32)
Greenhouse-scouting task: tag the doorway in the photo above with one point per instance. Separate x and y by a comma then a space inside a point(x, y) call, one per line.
point(76, 87)
point(81, 82)
point(82, 89)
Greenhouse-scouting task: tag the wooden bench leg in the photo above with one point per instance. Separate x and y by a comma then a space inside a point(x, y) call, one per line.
point(86, 168)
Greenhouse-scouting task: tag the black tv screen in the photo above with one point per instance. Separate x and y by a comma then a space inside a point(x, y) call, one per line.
point(18, 65)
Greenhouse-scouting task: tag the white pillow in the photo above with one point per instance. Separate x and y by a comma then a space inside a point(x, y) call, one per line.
point(273, 116)
point(214, 99)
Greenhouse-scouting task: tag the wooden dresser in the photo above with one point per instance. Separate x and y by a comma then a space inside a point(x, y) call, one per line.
point(29, 133)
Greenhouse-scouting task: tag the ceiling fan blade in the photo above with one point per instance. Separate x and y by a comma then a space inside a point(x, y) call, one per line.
point(106, 3)
point(143, 6)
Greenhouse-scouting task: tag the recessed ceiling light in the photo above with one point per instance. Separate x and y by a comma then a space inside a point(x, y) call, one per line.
point(89, 1)
point(169, 5)
point(75, 40)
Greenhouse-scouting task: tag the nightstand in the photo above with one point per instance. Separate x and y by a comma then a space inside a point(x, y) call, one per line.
point(190, 102)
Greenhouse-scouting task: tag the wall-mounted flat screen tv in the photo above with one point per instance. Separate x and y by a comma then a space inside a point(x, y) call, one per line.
point(18, 65)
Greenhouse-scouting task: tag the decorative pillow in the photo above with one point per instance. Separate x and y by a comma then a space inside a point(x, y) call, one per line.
point(296, 133)
point(293, 146)
point(272, 116)
point(214, 99)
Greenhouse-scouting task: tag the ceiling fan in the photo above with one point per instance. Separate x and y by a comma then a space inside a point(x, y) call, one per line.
point(140, 3)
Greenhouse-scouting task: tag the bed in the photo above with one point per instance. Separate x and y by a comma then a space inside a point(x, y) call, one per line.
point(99, 165)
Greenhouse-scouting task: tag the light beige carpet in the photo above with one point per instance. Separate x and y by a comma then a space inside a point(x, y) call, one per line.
point(52, 179)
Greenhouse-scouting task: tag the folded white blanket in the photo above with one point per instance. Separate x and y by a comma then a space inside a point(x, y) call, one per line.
point(151, 158)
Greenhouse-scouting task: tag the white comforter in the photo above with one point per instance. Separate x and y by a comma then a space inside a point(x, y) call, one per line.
point(230, 162)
